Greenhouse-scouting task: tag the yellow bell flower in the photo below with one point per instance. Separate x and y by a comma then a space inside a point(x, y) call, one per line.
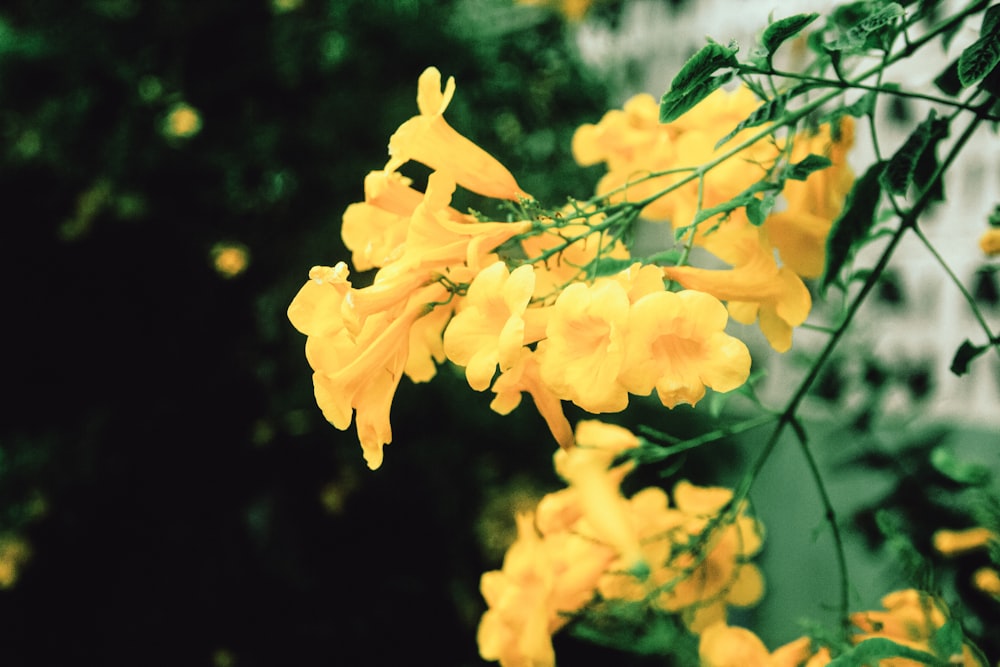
point(989, 242)
point(525, 376)
point(676, 344)
point(585, 346)
point(489, 330)
point(756, 289)
point(430, 140)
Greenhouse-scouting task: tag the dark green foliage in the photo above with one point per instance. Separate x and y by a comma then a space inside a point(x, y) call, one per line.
point(697, 79)
point(784, 29)
point(871, 651)
point(850, 230)
point(864, 26)
point(982, 56)
point(964, 355)
point(800, 170)
point(900, 170)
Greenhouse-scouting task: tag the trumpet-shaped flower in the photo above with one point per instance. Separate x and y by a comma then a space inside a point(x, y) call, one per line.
point(525, 376)
point(430, 140)
point(543, 581)
point(756, 289)
point(676, 344)
point(585, 347)
point(989, 242)
point(490, 328)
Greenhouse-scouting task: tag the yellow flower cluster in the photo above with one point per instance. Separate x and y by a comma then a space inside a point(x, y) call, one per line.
point(911, 618)
point(587, 543)
point(514, 303)
point(645, 158)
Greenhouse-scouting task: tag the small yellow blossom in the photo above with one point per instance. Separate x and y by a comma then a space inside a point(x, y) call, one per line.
point(182, 121)
point(14, 552)
point(230, 259)
point(574, 10)
point(987, 579)
point(430, 140)
point(958, 542)
point(989, 242)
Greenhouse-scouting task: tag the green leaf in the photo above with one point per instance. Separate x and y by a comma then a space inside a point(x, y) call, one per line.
point(947, 640)
point(947, 81)
point(855, 38)
point(871, 651)
point(963, 472)
point(898, 173)
point(978, 60)
point(608, 266)
point(670, 257)
point(697, 79)
point(852, 226)
point(927, 162)
point(765, 113)
point(675, 104)
point(759, 209)
point(783, 29)
point(964, 355)
point(800, 170)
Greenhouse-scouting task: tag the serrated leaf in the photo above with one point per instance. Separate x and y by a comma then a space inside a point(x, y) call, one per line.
point(898, 173)
point(962, 472)
point(784, 29)
point(853, 224)
point(854, 38)
point(800, 170)
point(697, 79)
point(675, 103)
point(978, 60)
point(964, 355)
point(765, 113)
point(707, 61)
point(871, 651)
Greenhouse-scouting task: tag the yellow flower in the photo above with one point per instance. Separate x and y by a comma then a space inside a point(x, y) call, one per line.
point(543, 581)
point(958, 542)
point(525, 376)
point(574, 10)
point(490, 328)
point(182, 121)
point(755, 289)
point(585, 346)
point(799, 232)
point(695, 575)
point(358, 360)
point(987, 579)
point(585, 467)
point(435, 238)
point(911, 618)
point(430, 140)
point(723, 645)
point(230, 259)
point(676, 344)
point(989, 242)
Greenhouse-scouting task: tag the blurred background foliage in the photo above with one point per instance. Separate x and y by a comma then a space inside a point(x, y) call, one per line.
point(169, 492)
